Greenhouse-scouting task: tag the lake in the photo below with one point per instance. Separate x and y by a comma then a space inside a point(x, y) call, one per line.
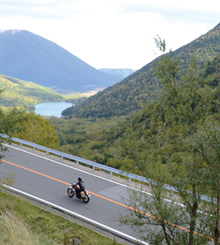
point(51, 108)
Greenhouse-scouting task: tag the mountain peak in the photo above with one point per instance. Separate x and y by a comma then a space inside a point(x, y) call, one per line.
point(30, 57)
point(9, 32)
point(129, 96)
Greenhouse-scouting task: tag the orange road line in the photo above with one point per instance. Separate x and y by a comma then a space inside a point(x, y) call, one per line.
point(110, 200)
point(33, 171)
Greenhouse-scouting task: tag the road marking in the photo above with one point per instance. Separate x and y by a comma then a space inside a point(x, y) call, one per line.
point(67, 166)
point(33, 171)
point(63, 182)
point(77, 215)
point(121, 204)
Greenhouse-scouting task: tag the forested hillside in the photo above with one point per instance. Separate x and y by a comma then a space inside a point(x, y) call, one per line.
point(175, 141)
point(93, 138)
point(18, 93)
point(172, 140)
point(128, 96)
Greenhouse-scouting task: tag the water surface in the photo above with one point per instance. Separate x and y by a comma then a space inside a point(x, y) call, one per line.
point(51, 108)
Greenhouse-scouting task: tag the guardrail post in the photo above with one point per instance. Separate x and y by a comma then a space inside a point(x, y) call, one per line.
point(90, 163)
point(62, 158)
point(93, 167)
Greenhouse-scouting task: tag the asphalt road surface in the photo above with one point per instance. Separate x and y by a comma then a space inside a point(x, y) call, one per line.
point(48, 178)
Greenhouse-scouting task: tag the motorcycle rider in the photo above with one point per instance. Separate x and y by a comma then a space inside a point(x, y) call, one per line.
point(80, 186)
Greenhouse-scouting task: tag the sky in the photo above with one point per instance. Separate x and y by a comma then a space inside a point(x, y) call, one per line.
point(112, 33)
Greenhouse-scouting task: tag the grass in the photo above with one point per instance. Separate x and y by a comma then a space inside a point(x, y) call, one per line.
point(14, 231)
point(22, 222)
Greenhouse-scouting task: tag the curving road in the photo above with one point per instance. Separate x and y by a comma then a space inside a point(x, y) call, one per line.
point(48, 179)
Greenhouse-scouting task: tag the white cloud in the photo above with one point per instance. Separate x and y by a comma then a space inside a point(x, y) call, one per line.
point(111, 33)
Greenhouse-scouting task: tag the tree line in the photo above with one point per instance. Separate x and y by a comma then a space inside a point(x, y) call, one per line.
point(178, 145)
point(129, 96)
point(173, 140)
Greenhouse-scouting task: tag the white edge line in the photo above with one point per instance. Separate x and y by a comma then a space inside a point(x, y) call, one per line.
point(65, 165)
point(76, 215)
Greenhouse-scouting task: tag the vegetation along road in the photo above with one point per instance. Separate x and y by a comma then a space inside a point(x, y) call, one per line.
point(48, 180)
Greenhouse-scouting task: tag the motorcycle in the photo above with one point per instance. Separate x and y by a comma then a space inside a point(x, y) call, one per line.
point(84, 195)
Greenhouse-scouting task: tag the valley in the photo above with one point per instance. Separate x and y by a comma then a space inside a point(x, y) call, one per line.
point(161, 122)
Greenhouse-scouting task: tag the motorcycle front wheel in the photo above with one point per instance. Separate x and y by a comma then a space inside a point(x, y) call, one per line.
point(70, 192)
point(85, 198)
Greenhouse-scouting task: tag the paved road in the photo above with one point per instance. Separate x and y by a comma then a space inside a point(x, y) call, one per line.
point(48, 179)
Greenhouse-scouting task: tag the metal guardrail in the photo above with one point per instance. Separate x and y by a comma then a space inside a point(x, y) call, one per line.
point(78, 160)
point(94, 165)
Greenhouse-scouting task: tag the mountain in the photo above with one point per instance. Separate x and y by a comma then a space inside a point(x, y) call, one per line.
point(20, 93)
point(95, 138)
point(129, 96)
point(120, 73)
point(30, 57)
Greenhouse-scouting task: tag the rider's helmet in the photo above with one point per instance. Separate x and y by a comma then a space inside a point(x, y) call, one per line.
point(79, 179)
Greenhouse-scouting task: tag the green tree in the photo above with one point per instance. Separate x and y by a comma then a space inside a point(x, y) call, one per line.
point(38, 130)
point(10, 123)
point(178, 146)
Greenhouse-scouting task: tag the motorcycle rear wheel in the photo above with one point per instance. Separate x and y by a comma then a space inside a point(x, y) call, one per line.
point(85, 198)
point(70, 192)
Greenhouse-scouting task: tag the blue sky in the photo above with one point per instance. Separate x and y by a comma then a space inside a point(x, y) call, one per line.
point(112, 33)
